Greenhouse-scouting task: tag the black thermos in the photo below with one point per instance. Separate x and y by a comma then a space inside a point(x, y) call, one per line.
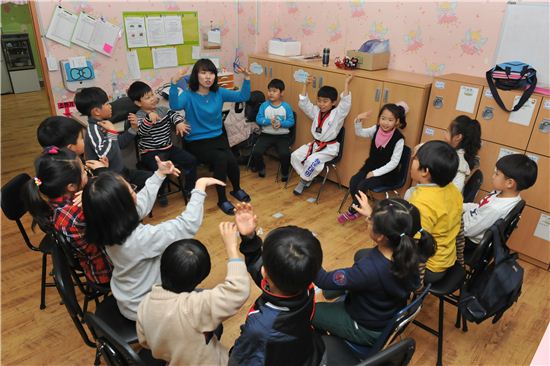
point(326, 55)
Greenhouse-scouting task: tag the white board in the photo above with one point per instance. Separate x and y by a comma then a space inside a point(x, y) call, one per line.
point(525, 37)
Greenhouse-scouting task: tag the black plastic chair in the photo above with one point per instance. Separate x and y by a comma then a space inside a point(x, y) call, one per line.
point(338, 350)
point(511, 220)
point(472, 186)
point(114, 350)
point(444, 290)
point(398, 354)
point(14, 209)
point(328, 165)
point(403, 170)
point(107, 310)
point(90, 291)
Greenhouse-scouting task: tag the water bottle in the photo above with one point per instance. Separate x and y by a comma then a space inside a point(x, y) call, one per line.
point(326, 56)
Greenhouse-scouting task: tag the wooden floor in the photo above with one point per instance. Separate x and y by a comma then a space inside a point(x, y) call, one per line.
point(47, 337)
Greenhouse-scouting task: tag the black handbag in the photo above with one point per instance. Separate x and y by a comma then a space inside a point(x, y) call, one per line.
point(509, 76)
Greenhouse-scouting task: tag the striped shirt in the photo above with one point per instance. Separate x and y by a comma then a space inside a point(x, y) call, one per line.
point(156, 136)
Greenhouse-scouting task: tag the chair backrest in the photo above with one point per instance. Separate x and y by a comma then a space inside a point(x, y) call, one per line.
point(13, 205)
point(483, 252)
point(395, 326)
point(340, 138)
point(399, 354)
point(252, 106)
point(403, 167)
point(65, 286)
point(472, 186)
point(512, 219)
point(115, 351)
point(292, 131)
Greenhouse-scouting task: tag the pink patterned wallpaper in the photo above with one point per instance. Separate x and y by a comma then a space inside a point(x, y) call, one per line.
point(425, 37)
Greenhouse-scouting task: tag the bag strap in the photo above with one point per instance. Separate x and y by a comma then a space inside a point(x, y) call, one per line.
point(526, 94)
point(499, 252)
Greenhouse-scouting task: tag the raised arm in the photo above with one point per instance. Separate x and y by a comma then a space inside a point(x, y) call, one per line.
point(177, 101)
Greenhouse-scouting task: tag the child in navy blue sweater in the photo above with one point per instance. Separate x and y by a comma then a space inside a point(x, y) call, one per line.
point(381, 279)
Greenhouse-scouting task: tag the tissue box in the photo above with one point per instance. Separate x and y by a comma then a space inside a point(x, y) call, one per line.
point(370, 61)
point(281, 48)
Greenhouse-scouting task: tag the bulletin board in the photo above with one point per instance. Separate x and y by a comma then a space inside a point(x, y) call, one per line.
point(190, 27)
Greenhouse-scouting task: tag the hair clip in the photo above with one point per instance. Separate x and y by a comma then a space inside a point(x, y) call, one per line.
point(37, 181)
point(402, 234)
point(421, 230)
point(52, 150)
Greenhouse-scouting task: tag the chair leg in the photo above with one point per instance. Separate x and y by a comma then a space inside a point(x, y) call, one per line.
point(278, 172)
point(337, 177)
point(97, 360)
point(289, 176)
point(322, 185)
point(440, 331)
point(343, 201)
point(43, 284)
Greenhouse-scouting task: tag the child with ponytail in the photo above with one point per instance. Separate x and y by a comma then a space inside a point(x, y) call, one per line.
point(464, 134)
point(381, 279)
point(385, 153)
point(52, 198)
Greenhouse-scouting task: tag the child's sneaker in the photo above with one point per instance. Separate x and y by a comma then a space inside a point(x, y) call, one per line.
point(348, 216)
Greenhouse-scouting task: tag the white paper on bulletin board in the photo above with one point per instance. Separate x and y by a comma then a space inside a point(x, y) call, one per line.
point(155, 31)
point(136, 34)
point(164, 57)
point(104, 37)
point(173, 31)
point(83, 31)
point(524, 114)
point(62, 26)
point(542, 230)
point(467, 97)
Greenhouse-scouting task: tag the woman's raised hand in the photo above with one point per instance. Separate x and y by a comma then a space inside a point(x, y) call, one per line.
point(179, 74)
point(244, 71)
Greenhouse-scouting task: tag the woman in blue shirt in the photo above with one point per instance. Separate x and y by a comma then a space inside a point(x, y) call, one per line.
point(203, 111)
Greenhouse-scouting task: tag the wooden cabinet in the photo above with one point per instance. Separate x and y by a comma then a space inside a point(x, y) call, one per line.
point(502, 133)
point(539, 143)
point(370, 91)
point(498, 126)
point(444, 97)
point(527, 240)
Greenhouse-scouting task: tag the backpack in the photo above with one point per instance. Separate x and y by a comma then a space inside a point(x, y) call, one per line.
point(512, 75)
point(497, 287)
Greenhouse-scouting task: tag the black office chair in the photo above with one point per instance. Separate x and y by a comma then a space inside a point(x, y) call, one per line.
point(402, 169)
point(114, 350)
point(398, 354)
point(328, 165)
point(14, 209)
point(338, 350)
point(472, 186)
point(107, 310)
point(444, 290)
point(292, 139)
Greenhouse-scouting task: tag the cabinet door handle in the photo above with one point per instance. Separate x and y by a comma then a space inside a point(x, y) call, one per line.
point(488, 113)
point(321, 82)
point(270, 72)
point(438, 102)
point(386, 94)
point(265, 70)
point(314, 83)
point(377, 95)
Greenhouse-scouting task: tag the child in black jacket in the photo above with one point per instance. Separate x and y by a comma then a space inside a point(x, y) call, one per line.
point(278, 327)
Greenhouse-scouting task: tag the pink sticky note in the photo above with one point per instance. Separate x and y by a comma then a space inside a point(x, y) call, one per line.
point(107, 47)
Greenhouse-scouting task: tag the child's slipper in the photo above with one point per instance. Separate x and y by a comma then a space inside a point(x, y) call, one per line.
point(227, 208)
point(241, 195)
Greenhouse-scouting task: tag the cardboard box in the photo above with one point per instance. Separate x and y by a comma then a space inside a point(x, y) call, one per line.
point(370, 61)
point(290, 48)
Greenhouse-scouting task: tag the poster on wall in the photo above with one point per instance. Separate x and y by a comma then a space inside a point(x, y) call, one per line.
point(104, 37)
point(84, 29)
point(135, 32)
point(62, 26)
